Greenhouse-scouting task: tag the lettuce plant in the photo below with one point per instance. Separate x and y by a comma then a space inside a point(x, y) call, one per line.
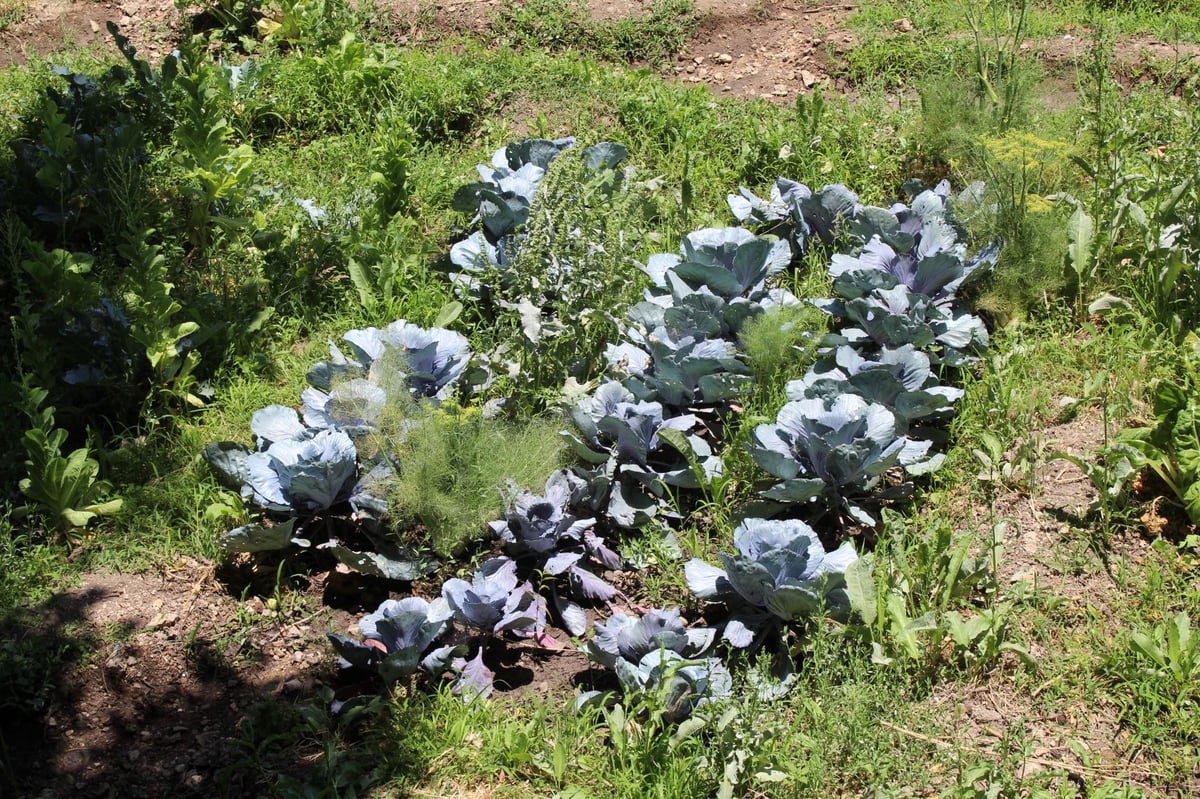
point(779, 572)
point(399, 639)
point(1171, 448)
point(542, 534)
point(658, 661)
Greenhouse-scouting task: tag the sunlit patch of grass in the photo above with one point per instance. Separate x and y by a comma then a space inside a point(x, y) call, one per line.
point(12, 12)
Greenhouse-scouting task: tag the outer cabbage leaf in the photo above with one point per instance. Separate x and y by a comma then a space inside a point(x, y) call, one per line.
point(779, 566)
point(493, 601)
point(303, 476)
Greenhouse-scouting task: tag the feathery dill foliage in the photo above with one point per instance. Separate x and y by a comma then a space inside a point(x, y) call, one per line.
point(454, 465)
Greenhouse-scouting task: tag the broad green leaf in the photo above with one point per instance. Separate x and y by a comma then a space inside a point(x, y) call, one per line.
point(77, 518)
point(1191, 501)
point(1185, 441)
point(104, 508)
point(256, 538)
point(1146, 645)
point(1021, 652)
point(362, 283)
point(448, 314)
point(1080, 231)
point(860, 585)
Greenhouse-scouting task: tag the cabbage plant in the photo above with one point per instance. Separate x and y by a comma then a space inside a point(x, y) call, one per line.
point(779, 572)
point(294, 470)
point(834, 454)
point(691, 372)
point(893, 317)
point(501, 200)
point(399, 639)
point(658, 661)
point(494, 602)
point(542, 534)
point(717, 282)
point(632, 451)
point(425, 362)
point(797, 213)
point(504, 193)
point(354, 406)
point(900, 379)
point(303, 475)
point(936, 266)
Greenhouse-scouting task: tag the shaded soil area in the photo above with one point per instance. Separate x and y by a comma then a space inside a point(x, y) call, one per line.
point(166, 674)
point(161, 668)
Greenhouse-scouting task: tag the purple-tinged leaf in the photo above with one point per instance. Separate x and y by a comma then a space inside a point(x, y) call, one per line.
point(474, 678)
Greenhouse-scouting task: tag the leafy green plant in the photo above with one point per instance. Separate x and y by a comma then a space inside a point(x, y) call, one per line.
point(1171, 448)
point(1108, 471)
point(68, 487)
point(454, 463)
point(918, 590)
point(302, 23)
point(217, 171)
point(1173, 653)
point(153, 314)
point(12, 12)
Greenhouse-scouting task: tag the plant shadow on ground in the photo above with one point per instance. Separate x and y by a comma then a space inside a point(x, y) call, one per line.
point(159, 685)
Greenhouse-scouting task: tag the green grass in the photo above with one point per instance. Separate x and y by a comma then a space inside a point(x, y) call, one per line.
point(654, 36)
point(12, 12)
point(1171, 20)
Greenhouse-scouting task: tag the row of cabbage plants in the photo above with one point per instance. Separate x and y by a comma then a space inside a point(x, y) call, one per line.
point(855, 429)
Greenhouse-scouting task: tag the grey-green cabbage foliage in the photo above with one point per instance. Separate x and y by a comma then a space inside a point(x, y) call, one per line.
point(834, 454)
point(779, 572)
point(658, 661)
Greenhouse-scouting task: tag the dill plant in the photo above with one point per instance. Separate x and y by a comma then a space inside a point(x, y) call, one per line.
point(453, 462)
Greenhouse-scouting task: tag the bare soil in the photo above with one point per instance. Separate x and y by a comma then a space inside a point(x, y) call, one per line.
point(165, 667)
